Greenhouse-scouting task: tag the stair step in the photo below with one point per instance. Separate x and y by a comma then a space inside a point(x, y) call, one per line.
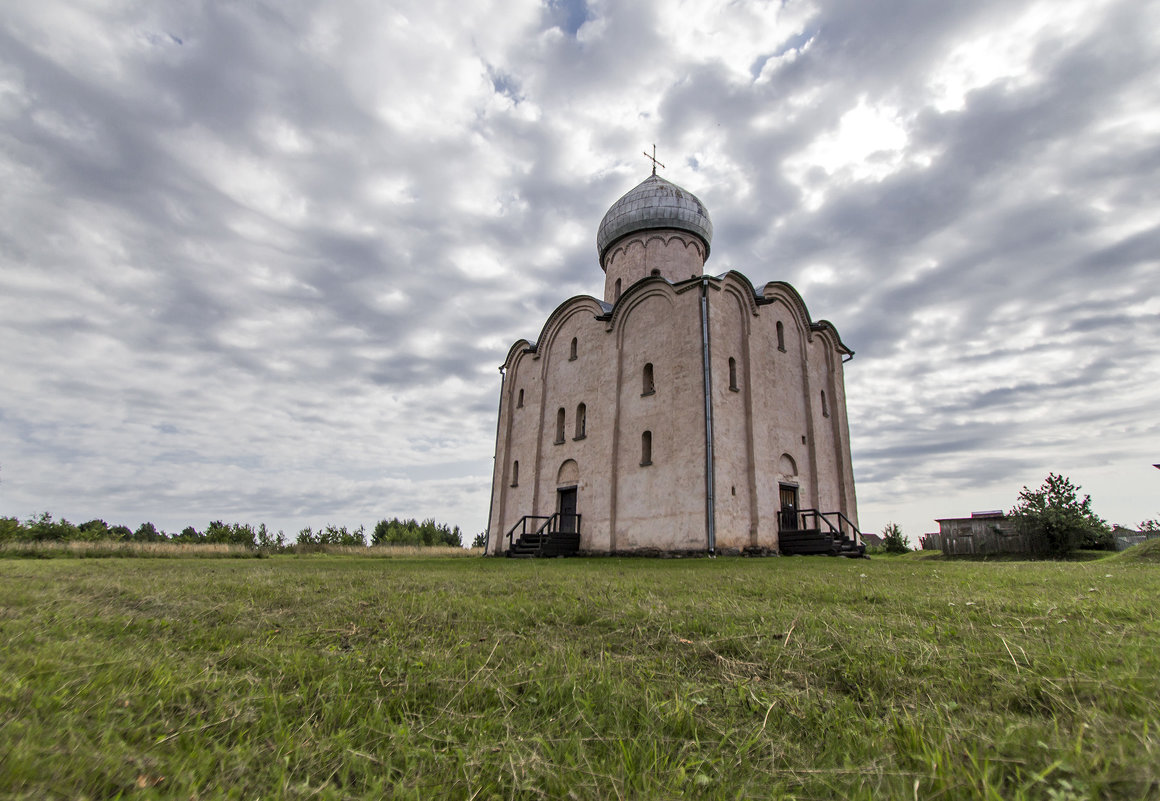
point(546, 544)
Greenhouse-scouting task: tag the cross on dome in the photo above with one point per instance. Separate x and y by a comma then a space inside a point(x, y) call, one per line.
point(653, 159)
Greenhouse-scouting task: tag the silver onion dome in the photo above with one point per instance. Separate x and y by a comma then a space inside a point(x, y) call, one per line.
point(654, 203)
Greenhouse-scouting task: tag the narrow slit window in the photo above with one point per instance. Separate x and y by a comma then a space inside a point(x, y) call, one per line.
point(646, 448)
point(559, 426)
point(732, 374)
point(617, 295)
point(581, 421)
point(780, 336)
point(520, 400)
point(572, 351)
point(647, 385)
point(516, 473)
point(825, 407)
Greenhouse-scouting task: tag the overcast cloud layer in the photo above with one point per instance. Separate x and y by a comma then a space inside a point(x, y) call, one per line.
point(260, 261)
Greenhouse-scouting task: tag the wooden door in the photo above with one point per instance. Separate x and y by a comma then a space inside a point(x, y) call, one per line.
point(567, 508)
point(789, 508)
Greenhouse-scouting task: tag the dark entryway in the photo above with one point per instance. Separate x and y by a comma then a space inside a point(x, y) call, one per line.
point(567, 509)
point(788, 520)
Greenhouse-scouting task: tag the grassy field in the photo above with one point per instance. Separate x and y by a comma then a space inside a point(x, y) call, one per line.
point(345, 677)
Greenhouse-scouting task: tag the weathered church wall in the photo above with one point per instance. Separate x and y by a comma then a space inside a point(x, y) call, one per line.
point(782, 437)
point(569, 381)
point(518, 429)
point(729, 313)
point(660, 505)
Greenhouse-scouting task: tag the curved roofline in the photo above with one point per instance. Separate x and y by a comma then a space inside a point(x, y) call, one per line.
point(518, 347)
point(556, 318)
point(804, 312)
point(635, 295)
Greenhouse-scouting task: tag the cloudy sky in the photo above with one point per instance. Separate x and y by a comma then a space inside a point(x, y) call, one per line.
point(260, 261)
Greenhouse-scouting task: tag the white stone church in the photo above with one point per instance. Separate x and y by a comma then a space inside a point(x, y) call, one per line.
point(683, 413)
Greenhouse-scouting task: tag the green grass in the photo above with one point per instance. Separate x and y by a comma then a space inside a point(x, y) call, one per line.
point(344, 677)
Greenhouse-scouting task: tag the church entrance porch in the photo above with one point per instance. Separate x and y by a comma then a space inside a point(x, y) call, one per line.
point(808, 531)
point(552, 535)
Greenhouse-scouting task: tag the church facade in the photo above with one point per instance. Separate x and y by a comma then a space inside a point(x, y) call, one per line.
point(681, 413)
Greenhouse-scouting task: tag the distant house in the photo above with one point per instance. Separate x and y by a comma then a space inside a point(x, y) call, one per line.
point(1127, 537)
point(982, 533)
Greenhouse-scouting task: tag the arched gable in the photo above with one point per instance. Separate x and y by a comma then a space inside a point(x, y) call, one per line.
point(781, 292)
point(826, 330)
point(737, 286)
point(639, 292)
point(579, 304)
point(521, 346)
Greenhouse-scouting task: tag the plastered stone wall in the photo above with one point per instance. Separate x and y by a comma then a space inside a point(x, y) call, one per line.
point(660, 505)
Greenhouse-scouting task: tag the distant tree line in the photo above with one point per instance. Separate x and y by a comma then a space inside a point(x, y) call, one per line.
point(411, 532)
point(43, 528)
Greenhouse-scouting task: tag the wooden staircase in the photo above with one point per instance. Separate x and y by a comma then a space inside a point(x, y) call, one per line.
point(826, 533)
point(556, 535)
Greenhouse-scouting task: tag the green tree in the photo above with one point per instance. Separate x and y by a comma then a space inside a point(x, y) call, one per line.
point(380, 532)
point(268, 541)
point(94, 530)
point(10, 529)
point(44, 528)
point(231, 534)
point(1057, 519)
point(480, 540)
point(147, 532)
point(893, 540)
point(189, 534)
point(339, 535)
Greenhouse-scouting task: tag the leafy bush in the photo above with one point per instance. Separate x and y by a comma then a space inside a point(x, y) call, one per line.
point(893, 540)
point(230, 534)
point(332, 535)
point(270, 542)
point(147, 532)
point(411, 532)
point(1057, 520)
point(9, 529)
